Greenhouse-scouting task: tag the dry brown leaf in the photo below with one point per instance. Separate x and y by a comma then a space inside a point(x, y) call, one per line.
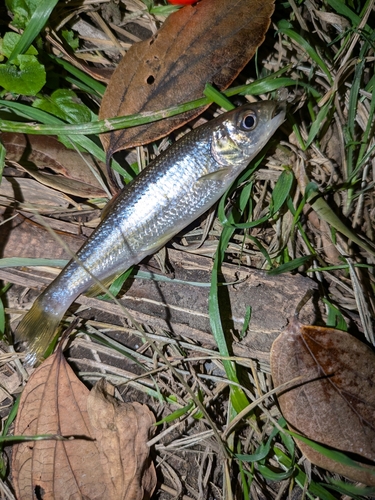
point(336, 406)
point(109, 459)
point(31, 192)
point(54, 401)
point(122, 431)
point(23, 237)
point(37, 153)
point(208, 42)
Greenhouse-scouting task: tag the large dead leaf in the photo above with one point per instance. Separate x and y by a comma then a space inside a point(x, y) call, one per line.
point(122, 431)
point(54, 401)
point(208, 42)
point(21, 236)
point(335, 403)
point(106, 460)
point(42, 154)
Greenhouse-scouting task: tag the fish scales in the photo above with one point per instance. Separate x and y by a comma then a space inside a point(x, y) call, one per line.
point(169, 194)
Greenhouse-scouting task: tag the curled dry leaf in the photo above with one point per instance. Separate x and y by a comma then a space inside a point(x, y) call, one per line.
point(108, 457)
point(37, 153)
point(54, 401)
point(336, 404)
point(122, 431)
point(208, 42)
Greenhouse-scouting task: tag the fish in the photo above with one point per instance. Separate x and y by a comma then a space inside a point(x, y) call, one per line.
point(176, 188)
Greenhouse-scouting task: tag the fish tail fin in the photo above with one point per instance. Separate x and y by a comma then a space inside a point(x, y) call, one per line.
point(37, 328)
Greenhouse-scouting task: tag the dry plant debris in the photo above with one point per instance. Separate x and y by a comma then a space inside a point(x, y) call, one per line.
point(333, 403)
point(98, 446)
point(209, 42)
point(319, 54)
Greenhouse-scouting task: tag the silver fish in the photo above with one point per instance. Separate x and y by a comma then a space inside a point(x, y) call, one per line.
point(174, 190)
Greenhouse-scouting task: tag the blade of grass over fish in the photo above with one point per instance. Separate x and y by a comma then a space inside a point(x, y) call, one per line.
point(91, 83)
point(34, 27)
point(50, 121)
point(285, 28)
point(217, 97)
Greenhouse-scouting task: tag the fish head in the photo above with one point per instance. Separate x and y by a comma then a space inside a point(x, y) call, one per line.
point(242, 133)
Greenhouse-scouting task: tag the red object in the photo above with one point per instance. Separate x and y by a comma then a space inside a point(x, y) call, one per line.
point(182, 2)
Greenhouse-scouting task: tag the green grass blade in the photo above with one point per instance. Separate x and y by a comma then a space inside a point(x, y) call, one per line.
point(216, 96)
point(238, 397)
point(324, 211)
point(284, 27)
point(34, 27)
point(97, 87)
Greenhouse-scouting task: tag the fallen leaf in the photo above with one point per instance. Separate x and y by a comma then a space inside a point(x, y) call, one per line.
point(335, 403)
point(31, 192)
point(37, 153)
point(208, 42)
point(108, 457)
point(54, 401)
point(23, 237)
point(122, 431)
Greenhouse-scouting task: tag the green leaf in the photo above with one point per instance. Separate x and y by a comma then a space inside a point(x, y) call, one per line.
point(238, 397)
point(71, 40)
point(304, 44)
point(281, 190)
point(290, 266)
point(176, 414)
point(33, 27)
point(8, 43)
point(22, 11)
point(64, 104)
point(217, 97)
point(246, 321)
point(27, 79)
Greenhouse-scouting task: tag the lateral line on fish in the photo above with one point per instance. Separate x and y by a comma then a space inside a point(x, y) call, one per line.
point(73, 255)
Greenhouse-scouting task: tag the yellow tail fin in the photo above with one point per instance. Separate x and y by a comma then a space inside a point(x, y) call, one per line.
point(37, 329)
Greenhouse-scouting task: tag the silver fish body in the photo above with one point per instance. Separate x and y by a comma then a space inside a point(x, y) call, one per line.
point(174, 190)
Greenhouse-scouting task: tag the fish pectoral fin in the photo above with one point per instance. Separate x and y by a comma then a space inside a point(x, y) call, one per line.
point(218, 175)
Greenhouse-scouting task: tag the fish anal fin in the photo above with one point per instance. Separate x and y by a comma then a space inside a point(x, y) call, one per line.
point(96, 289)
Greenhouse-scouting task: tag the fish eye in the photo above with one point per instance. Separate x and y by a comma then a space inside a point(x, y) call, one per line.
point(249, 121)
